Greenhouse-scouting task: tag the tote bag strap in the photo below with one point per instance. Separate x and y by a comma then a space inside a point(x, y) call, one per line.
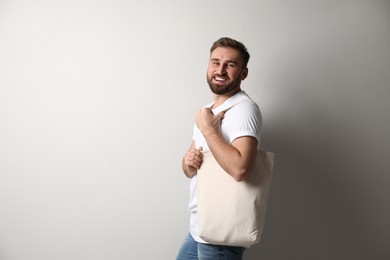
point(235, 104)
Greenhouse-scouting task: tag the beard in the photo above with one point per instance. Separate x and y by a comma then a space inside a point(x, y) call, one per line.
point(223, 89)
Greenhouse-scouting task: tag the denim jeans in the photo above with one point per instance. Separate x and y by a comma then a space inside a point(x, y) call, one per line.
point(192, 250)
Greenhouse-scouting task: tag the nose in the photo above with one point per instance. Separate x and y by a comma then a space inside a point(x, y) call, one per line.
point(222, 69)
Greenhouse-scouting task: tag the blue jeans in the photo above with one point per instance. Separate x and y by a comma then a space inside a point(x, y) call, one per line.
point(192, 250)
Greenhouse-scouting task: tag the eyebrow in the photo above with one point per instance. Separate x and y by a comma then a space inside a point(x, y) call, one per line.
point(228, 61)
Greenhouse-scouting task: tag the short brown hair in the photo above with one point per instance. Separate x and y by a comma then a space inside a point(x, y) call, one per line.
point(227, 42)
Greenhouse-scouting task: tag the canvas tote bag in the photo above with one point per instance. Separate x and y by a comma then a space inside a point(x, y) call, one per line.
point(229, 212)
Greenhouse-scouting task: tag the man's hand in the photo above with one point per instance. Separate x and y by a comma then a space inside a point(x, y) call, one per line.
point(192, 161)
point(208, 122)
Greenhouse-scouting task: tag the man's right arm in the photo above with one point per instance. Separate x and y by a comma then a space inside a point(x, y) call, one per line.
point(192, 160)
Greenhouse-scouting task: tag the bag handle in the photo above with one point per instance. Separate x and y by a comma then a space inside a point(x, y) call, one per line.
point(230, 107)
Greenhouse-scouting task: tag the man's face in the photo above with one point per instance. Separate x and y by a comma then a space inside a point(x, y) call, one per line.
point(225, 70)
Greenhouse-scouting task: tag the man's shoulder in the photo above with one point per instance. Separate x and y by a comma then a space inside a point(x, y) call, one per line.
point(243, 102)
point(239, 99)
point(246, 108)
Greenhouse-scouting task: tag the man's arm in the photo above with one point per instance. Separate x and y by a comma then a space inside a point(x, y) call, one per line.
point(192, 160)
point(236, 158)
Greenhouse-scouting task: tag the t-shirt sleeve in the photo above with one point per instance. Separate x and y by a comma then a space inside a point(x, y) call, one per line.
point(244, 119)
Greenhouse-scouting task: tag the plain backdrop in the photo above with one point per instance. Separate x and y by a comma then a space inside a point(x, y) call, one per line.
point(97, 103)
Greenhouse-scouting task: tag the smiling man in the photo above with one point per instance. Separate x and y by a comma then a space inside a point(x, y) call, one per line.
point(229, 127)
point(226, 70)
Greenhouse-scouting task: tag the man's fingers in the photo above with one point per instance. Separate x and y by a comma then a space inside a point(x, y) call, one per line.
point(221, 115)
point(195, 158)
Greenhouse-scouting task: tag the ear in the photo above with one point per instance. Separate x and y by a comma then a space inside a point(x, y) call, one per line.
point(244, 73)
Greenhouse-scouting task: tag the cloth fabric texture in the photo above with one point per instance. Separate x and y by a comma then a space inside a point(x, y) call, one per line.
point(242, 119)
point(230, 212)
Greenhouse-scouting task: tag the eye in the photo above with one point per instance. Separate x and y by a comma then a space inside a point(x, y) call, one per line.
point(231, 65)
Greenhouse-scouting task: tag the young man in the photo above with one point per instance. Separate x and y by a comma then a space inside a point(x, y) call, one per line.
point(229, 127)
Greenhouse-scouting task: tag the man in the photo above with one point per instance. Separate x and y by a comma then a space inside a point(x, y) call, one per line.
point(229, 127)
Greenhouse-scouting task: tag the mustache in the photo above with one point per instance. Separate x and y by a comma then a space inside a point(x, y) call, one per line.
point(220, 75)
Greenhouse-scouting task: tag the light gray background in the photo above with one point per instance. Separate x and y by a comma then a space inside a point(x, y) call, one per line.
point(97, 100)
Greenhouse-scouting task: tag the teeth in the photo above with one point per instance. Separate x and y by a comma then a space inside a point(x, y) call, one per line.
point(219, 79)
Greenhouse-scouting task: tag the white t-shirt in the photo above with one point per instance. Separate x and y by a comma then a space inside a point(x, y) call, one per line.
point(243, 119)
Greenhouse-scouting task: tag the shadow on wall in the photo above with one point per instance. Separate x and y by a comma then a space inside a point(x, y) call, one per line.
point(329, 196)
point(330, 190)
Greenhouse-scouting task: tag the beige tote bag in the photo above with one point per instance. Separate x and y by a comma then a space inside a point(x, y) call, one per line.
point(229, 212)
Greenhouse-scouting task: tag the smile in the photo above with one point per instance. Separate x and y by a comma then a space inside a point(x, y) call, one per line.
point(219, 79)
